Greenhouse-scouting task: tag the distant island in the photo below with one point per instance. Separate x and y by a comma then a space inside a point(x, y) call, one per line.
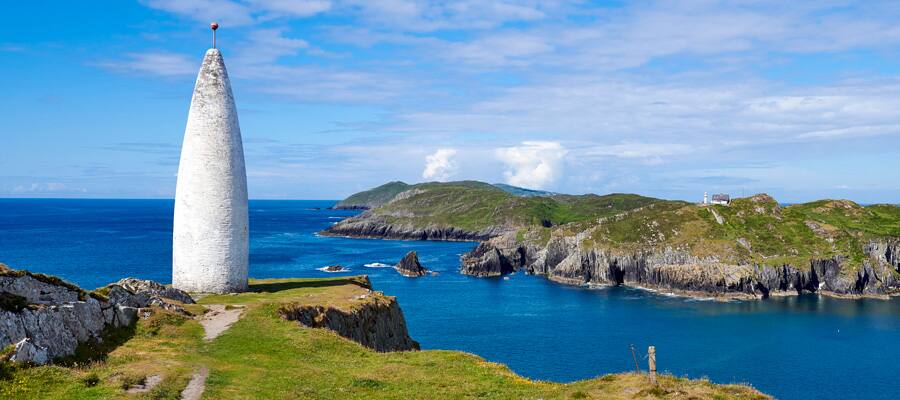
point(750, 248)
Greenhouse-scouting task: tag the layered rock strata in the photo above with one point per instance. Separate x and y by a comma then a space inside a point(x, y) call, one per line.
point(376, 323)
point(565, 260)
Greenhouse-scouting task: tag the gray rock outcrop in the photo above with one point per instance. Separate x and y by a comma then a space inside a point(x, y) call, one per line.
point(141, 293)
point(565, 260)
point(377, 324)
point(410, 267)
point(368, 225)
point(57, 316)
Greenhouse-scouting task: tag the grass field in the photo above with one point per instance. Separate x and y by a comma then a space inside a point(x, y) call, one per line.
point(264, 356)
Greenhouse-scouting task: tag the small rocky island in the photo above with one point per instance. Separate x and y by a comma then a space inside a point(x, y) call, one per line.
point(751, 248)
point(410, 267)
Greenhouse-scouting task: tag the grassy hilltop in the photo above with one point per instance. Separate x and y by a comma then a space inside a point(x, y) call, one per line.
point(264, 356)
point(755, 230)
point(373, 197)
point(472, 205)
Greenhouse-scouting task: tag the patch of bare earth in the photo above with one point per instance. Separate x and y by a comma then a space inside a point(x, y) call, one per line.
point(149, 383)
point(218, 319)
point(194, 388)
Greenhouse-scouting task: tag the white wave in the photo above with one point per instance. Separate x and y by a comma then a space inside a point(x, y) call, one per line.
point(376, 265)
point(335, 217)
point(325, 269)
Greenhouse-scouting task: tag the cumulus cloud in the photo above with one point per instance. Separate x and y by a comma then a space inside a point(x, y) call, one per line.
point(533, 164)
point(440, 166)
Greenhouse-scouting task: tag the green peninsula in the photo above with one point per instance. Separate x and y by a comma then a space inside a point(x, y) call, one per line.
point(752, 247)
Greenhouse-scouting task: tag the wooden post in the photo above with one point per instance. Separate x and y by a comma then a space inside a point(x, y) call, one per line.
point(651, 361)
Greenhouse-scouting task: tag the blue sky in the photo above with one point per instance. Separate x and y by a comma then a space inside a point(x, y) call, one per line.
point(668, 99)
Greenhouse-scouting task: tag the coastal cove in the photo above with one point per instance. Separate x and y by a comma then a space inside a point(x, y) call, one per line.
point(791, 347)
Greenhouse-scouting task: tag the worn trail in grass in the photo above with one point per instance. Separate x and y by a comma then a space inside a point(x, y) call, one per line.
point(263, 356)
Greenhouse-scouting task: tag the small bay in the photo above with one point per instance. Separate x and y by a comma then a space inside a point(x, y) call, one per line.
point(791, 347)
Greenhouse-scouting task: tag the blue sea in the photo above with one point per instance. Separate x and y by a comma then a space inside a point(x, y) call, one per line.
point(794, 348)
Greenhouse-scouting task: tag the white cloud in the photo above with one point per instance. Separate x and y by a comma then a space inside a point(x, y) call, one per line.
point(499, 49)
point(648, 153)
point(161, 64)
point(440, 166)
point(297, 8)
point(426, 16)
point(266, 46)
point(231, 13)
point(226, 12)
point(533, 164)
point(46, 187)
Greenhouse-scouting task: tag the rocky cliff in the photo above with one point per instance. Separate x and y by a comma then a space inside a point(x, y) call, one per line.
point(376, 323)
point(47, 318)
point(567, 260)
point(370, 226)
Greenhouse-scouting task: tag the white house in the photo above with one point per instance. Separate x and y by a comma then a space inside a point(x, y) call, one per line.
point(721, 198)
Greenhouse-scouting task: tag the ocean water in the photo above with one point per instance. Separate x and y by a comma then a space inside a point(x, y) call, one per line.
point(793, 348)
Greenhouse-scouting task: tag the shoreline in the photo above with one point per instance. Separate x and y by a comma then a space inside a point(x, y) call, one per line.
point(325, 233)
point(692, 294)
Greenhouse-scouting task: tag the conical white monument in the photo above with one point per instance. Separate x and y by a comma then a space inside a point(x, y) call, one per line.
point(210, 236)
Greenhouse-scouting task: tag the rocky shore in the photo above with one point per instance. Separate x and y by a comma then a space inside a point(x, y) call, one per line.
point(370, 226)
point(565, 260)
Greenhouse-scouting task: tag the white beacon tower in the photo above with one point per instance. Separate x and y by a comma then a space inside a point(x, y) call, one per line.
point(210, 246)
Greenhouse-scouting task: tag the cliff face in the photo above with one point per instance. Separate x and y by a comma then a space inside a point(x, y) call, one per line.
point(378, 323)
point(372, 226)
point(565, 260)
point(47, 318)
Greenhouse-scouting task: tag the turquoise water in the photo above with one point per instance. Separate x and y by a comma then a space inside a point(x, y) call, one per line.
point(793, 348)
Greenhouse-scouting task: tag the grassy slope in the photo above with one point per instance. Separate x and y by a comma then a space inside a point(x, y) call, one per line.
point(776, 235)
point(475, 205)
point(374, 197)
point(265, 357)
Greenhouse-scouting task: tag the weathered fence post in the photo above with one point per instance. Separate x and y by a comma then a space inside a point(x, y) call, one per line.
point(651, 360)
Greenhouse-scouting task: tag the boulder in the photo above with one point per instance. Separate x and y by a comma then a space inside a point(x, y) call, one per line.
point(410, 267)
point(28, 352)
point(154, 289)
point(140, 293)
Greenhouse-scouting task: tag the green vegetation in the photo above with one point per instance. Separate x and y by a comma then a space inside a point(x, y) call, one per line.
point(264, 356)
point(373, 197)
point(523, 192)
point(474, 206)
point(755, 230)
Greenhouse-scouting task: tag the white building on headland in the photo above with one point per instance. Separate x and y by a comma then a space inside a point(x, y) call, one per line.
point(210, 235)
point(721, 198)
